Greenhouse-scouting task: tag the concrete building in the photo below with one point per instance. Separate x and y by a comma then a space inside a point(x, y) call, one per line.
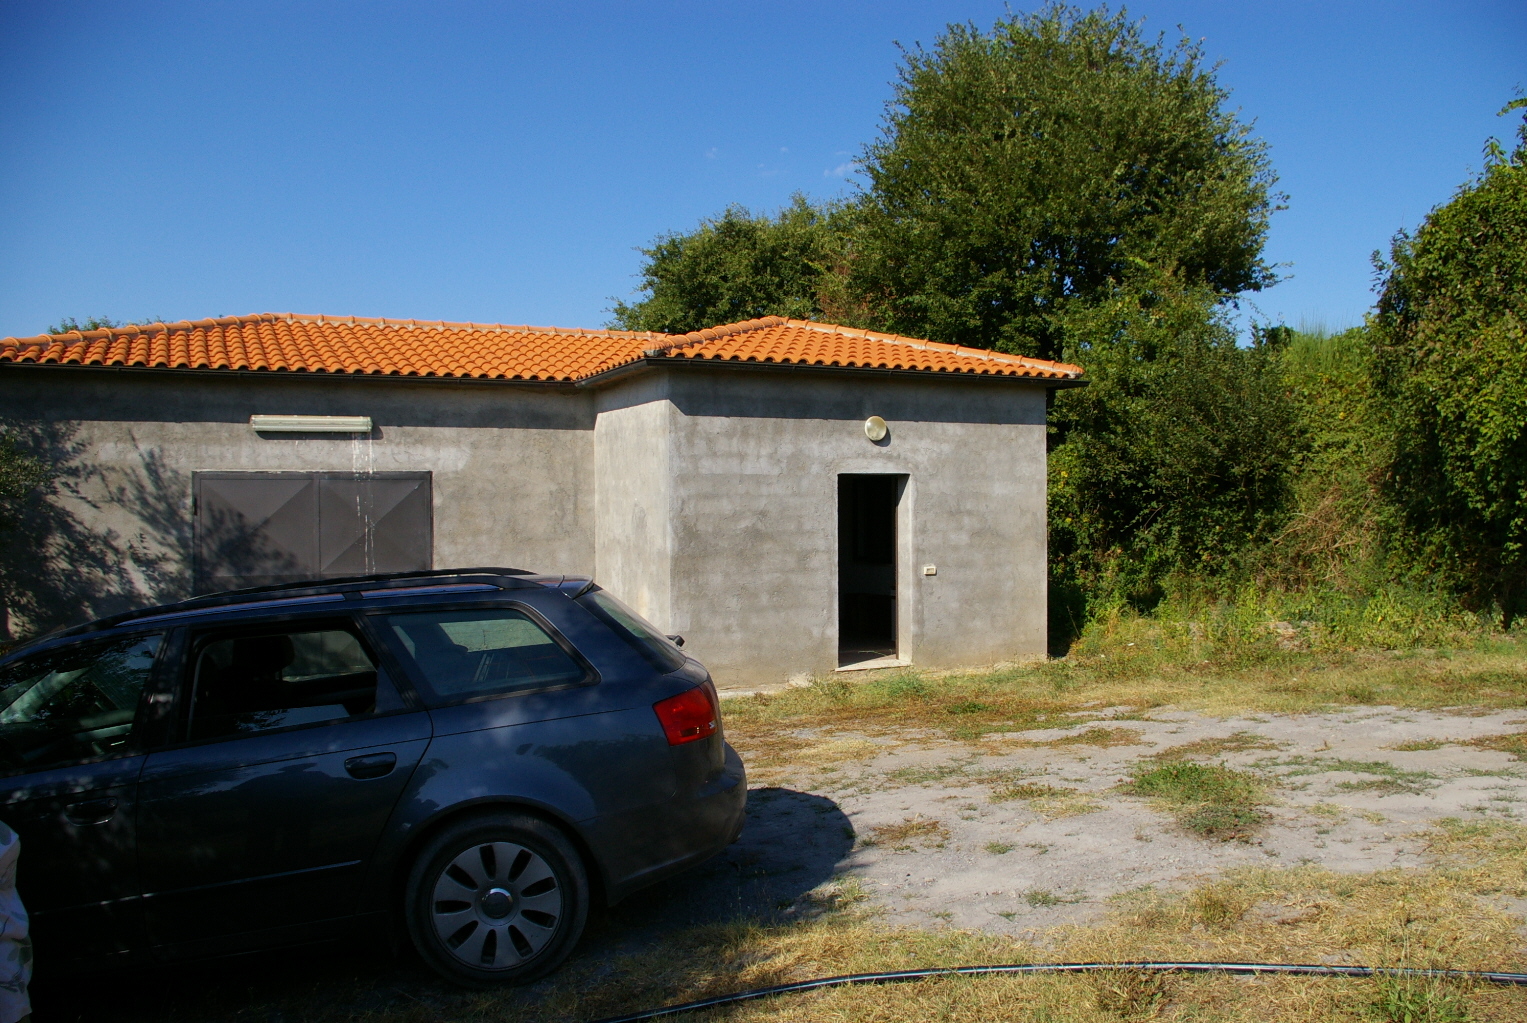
point(792, 497)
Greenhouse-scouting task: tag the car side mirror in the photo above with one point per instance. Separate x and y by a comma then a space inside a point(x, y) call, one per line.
point(676, 640)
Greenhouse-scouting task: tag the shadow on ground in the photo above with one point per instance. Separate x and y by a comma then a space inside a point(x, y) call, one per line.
point(792, 844)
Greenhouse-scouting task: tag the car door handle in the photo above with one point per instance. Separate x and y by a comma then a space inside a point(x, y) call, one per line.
point(91, 811)
point(373, 765)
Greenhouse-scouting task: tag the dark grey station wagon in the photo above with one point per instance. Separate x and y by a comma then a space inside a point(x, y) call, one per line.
point(474, 755)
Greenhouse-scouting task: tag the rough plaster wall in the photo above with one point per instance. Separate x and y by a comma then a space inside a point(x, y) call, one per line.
point(510, 469)
point(634, 550)
point(754, 465)
point(712, 507)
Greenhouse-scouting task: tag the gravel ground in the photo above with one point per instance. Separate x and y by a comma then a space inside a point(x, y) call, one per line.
point(912, 825)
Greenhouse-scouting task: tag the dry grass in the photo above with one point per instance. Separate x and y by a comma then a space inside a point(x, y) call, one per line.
point(1418, 745)
point(1514, 743)
point(903, 835)
point(1049, 801)
point(1096, 736)
point(969, 706)
point(1240, 742)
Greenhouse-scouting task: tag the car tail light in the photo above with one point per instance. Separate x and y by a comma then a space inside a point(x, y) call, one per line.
point(690, 716)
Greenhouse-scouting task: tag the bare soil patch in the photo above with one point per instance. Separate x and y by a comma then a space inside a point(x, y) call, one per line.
point(1093, 811)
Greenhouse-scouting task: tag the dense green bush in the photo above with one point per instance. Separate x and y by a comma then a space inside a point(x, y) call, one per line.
point(1450, 365)
point(1177, 459)
point(1330, 536)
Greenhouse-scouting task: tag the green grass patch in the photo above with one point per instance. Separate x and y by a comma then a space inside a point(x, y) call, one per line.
point(1387, 779)
point(933, 774)
point(1209, 800)
point(1410, 999)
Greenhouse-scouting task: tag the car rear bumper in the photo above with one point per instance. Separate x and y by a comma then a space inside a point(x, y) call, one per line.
point(643, 847)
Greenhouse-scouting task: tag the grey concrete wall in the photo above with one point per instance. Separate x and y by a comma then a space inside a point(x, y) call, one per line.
point(510, 472)
point(633, 473)
point(706, 498)
point(753, 469)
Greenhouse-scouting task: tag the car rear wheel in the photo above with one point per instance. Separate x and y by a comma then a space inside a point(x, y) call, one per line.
point(497, 899)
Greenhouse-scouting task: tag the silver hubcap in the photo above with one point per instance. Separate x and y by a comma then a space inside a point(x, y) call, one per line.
point(496, 905)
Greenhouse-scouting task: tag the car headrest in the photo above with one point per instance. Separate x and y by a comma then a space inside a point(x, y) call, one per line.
point(262, 655)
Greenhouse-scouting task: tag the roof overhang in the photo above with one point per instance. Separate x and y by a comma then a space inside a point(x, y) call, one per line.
point(605, 378)
point(651, 364)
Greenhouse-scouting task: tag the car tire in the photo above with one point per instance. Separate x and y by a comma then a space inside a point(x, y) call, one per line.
point(497, 899)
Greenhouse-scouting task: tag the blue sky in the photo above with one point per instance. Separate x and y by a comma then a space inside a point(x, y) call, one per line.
point(501, 162)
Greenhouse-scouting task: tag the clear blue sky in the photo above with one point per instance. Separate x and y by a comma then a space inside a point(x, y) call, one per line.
point(502, 161)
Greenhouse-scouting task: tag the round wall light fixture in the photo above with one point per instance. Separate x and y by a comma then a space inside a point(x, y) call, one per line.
point(875, 428)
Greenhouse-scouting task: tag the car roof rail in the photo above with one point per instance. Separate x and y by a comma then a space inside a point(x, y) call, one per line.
point(250, 595)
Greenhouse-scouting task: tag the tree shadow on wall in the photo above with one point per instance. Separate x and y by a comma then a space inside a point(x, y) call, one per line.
point(58, 570)
point(61, 561)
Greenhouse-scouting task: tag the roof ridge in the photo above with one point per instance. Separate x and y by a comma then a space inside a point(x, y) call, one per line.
point(937, 346)
point(163, 326)
point(699, 337)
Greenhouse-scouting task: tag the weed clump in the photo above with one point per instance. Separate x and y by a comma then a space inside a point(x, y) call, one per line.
point(1130, 994)
point(1404, 998)
point(1211, 801)
point(903, 835)
point(1514, 744)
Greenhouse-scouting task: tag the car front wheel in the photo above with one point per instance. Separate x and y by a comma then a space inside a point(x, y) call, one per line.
point(497, 899)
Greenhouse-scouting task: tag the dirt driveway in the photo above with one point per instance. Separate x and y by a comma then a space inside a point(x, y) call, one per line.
point(1006, 835)
point(1016, 835)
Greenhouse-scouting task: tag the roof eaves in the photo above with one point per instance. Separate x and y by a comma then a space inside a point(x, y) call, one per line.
point(615, 372)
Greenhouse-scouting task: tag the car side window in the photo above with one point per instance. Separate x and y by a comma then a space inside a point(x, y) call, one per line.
point(255, 681)
point(471, 654)
point(73, 703)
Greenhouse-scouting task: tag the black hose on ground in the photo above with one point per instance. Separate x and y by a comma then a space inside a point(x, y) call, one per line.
point(900, 976)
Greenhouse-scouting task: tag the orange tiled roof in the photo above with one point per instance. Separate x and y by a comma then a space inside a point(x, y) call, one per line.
point(490, 351)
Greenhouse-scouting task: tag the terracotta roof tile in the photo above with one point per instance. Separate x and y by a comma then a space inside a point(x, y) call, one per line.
point(283, 342)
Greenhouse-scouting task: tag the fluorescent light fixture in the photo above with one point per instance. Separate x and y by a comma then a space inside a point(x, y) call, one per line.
point(311, 424)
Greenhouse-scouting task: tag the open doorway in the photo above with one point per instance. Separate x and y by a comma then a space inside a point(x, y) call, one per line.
point(867, 567)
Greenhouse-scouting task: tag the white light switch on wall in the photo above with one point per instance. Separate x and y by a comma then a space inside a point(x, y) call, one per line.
point(930, 570)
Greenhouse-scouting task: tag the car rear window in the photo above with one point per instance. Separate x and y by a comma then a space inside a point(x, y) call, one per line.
point(635, 630)
point(474, 654)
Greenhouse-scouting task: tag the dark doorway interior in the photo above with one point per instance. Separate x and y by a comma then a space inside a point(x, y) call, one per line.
point(867, 567)
point(259, 528)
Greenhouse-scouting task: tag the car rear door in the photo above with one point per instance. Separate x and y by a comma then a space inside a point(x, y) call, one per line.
point(256, 827)
point(71, 724)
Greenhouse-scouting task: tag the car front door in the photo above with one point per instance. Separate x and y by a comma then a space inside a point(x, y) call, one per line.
point(71, 725)
point(257, 826)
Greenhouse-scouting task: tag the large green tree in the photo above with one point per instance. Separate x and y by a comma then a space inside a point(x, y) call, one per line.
point(1027, 171)
point(1450, 360)
point(737, 266)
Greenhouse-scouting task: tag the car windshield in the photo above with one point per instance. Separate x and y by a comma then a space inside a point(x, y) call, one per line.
point(635, 630)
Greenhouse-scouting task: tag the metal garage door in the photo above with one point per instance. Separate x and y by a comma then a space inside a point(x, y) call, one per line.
point(257, 528)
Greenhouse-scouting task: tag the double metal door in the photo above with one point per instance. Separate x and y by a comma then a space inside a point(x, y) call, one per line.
point(260, 528)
